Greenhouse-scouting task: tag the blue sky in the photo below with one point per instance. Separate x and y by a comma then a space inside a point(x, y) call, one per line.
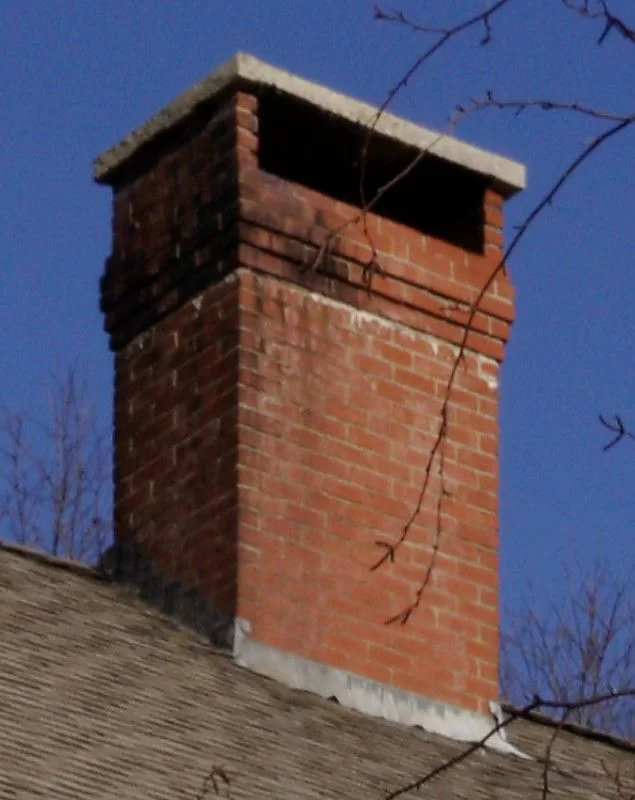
point(76, 75)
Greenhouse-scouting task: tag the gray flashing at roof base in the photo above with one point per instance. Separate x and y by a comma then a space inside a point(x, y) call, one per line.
point(368, 696)
point(507, 175)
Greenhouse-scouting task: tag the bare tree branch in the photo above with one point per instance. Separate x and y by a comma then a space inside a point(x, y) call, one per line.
point(444, 36)
point(618, 428)
point(601, 11)
point(620, 123)
point(217, 781)
point(521, 230)
point(581, 642)
point(624, 784)
point(536, 704)
point(55, 475)
point(546, 104)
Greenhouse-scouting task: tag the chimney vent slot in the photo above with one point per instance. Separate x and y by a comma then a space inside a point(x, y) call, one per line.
point(303, 144)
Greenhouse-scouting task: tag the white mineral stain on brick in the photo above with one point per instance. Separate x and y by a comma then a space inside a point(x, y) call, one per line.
point(487, 371)
point(142, 340)
point(366, 319)
point(486, 367)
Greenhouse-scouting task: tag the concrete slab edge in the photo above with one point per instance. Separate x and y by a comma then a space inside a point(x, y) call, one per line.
point(508, 175)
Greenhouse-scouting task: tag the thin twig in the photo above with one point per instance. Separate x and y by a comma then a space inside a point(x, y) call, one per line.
point(618, 428)
point(521, 231)
point(536, 704)
point(610, 21)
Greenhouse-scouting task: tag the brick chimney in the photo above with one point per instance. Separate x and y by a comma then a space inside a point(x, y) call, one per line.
point(280, 366)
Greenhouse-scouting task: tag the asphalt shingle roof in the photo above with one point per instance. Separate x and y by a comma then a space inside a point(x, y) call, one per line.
point(101, 697)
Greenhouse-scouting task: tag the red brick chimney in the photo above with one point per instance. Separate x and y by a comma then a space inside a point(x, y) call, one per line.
point(279, 379)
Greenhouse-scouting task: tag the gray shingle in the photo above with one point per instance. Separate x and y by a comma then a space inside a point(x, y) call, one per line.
point(101, 697)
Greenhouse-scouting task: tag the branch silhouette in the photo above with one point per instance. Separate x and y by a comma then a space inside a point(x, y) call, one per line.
point(620, 122)
point(618, 428)
point(601, 12)
point(536, 704)
point(520, 233)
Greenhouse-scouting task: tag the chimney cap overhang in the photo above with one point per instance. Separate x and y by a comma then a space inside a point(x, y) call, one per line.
point(506, 175)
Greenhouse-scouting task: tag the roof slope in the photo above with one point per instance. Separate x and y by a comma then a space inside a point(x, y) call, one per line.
point(102, 698)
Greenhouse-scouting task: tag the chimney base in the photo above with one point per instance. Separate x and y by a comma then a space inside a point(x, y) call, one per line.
point(368, 696)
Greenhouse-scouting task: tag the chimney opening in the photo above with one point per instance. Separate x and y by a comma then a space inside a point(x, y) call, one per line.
point(303, 144)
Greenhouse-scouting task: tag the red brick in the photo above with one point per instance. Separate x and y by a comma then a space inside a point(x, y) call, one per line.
point(283, 416)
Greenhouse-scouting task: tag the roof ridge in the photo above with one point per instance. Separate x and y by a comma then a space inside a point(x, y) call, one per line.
point(44, 557)
point(575, 728)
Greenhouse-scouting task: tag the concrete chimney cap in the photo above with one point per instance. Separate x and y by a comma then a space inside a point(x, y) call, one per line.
point(508, 176)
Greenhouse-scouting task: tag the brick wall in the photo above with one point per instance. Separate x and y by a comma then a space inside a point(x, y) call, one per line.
point(273, 420)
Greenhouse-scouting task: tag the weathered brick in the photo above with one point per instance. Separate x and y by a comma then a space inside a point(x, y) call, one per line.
point(277, 399)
